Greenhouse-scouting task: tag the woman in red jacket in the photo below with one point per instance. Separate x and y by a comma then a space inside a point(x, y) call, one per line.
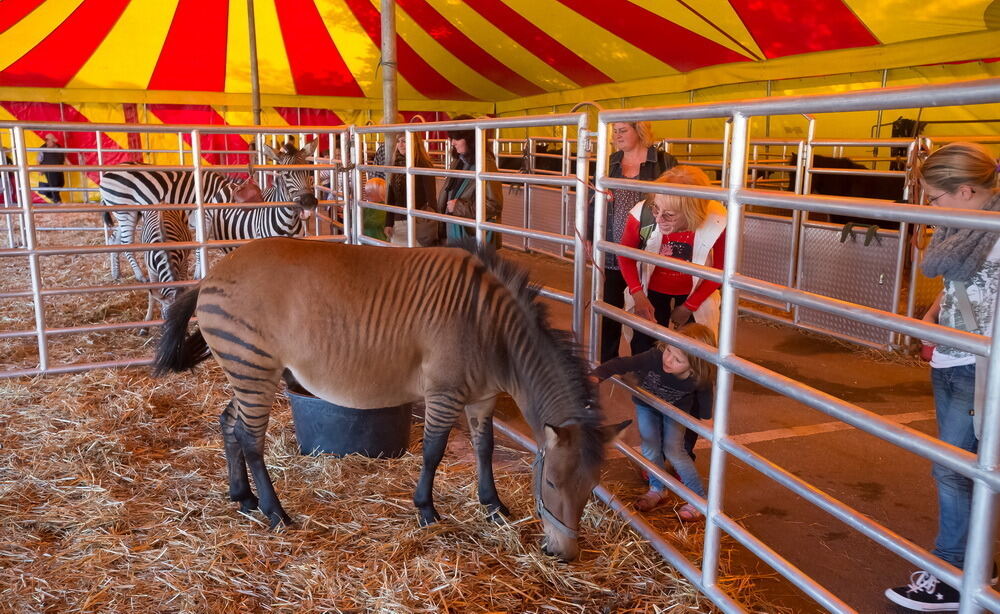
point(682, 227)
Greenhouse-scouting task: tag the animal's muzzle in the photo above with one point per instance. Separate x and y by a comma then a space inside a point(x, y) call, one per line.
point(307, 201)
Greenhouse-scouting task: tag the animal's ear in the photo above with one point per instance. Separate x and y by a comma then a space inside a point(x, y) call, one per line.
point(553, 435)
point(610, 432)
point(270, 153)
point(309, 148)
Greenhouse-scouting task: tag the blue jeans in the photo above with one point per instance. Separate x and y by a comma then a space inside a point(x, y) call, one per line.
point(663, 440)
point(954, 394)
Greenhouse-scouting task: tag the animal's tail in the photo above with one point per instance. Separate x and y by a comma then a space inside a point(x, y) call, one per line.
point(178, 351)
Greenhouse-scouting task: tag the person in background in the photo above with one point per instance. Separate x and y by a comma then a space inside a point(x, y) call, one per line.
point(53, 179)
point(635, 158)
point(956, 176)
point(459, 194)
point(428, 232)
point(373, 220)
point(679, 379)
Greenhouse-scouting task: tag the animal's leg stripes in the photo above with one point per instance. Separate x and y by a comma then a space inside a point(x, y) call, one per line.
point(239, 480)
point(442, 411)
point(480, 418)
point(253, 413)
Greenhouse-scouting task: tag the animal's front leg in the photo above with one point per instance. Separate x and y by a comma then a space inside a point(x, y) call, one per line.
point(441, 413)
point(480, 417)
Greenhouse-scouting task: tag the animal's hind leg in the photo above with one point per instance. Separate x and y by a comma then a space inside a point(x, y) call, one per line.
point(239, 480)
point(480, 418)
point(253, 412)
point(441, 413)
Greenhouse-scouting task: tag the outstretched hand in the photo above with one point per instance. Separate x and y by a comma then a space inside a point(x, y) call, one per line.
point(680, 316)
point(643, 308)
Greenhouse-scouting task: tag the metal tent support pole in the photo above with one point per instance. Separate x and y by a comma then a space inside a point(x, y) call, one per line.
point(254, 74)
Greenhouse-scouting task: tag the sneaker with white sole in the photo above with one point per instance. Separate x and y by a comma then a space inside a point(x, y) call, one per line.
point(925, 593)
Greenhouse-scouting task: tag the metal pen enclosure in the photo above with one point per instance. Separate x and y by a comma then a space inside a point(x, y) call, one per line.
point(738, 278)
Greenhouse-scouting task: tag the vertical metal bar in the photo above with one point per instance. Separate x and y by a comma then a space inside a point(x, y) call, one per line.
point(982, 522)
point(411, 194)
point(878, 121)
point(180, 148)
point(100, 174)
point(727, 345)
point(31, 243)
point(564, 190)
point(199, 201)
point(356, 225)
point(480, 184)
point(727, 135)
point(580, 228)
point(347, 181)
point(600, 222)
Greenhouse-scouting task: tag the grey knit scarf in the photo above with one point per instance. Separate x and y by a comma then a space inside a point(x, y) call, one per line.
point(957, 253)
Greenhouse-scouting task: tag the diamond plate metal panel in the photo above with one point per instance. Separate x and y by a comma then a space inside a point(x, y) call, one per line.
point(545, 213)
point(851, 272)
point(767, 246)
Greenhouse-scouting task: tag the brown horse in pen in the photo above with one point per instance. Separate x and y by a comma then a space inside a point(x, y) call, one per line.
point(370, 327)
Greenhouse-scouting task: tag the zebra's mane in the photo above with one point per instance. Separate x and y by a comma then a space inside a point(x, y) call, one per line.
point(584, 407)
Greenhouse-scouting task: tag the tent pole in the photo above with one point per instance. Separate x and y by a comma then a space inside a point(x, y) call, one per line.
point(389, 73)
point(254, 74)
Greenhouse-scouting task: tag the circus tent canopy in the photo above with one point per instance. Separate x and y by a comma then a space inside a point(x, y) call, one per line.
point(480, 55)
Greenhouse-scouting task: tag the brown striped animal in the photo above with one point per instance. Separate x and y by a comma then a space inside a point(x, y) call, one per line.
point(371, 327)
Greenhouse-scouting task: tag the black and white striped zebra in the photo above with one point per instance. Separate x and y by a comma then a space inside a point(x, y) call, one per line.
point(135, 186)
point(164, 265)
point(142, 187)
point(289, 186)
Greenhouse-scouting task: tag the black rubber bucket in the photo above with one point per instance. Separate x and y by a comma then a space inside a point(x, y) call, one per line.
point(325, 428)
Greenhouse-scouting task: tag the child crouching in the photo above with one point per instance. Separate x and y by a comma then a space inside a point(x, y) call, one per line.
point(685, 382)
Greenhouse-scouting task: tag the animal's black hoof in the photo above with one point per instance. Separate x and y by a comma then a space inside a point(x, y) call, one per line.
point(429, 517)
point(498, 512)
point(279, 520)
point(248, 504)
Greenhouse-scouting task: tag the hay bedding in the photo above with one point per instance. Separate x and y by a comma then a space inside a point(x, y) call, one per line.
point(113, 499)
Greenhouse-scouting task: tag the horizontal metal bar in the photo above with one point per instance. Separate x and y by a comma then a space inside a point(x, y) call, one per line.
point(968, 342)
point(172, 129)
point(674, 264)
point(556, 295)
point(888, 142)
point(531, 121)
point(890, 540)
point(980, 91)
point(899, 435)
point(872, 208)
point(822, 170)
point(783, 566)
point(77, 367)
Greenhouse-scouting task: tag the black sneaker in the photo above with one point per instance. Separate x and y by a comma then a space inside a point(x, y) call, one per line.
point(925, 593)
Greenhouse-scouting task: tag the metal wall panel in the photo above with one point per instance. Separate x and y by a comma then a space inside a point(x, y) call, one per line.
point(546, 214)
point(849, 271)
point(767, 253)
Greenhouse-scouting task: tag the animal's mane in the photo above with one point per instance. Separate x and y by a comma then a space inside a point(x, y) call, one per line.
point(515, 278)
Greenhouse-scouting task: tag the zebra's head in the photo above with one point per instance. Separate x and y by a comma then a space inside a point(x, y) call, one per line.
point(295, 185)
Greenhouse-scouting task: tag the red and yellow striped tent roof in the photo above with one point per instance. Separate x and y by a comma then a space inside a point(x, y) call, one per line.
point(477, 55)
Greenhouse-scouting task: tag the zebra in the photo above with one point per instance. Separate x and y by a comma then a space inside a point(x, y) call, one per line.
point(164, 265)
point(258, 223)
point(144, 187)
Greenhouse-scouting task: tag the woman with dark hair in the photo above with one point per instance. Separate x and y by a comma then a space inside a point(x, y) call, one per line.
point(459, 194)
point(424, 197)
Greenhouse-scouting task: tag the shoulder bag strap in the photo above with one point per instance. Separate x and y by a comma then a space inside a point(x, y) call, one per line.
point(972, 324)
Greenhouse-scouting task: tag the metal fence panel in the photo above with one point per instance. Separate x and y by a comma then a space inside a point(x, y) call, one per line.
point(850, 271)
